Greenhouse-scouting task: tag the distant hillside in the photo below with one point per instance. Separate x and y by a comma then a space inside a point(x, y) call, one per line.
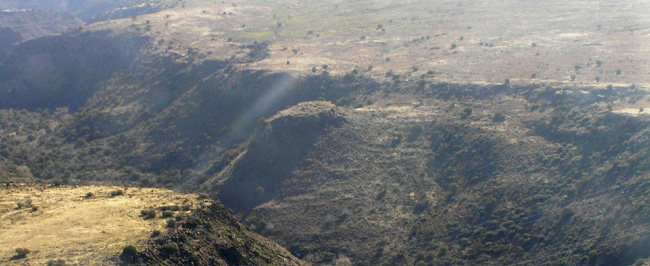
point(34, 23)
point(79, 8)
point(8, 38)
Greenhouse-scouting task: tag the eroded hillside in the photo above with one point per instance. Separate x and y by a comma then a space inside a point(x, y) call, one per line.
point(395, 134)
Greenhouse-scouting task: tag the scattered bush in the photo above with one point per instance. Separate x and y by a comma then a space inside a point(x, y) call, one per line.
point(453, 188)
point(416, 131)
point(174, 208)
point(466, 113)
point(116, 193)
point(170, 248)
point(58, 262)
point(21, 253)
point(381, 195)
point(171, 223)
point(148, 214)
point(499, 117)
point(128, 253)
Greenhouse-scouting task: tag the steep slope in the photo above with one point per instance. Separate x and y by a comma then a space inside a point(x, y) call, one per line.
point(213, 236)
point(64, 71)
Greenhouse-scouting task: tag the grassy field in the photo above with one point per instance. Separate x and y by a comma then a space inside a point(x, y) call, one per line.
point(87, 225)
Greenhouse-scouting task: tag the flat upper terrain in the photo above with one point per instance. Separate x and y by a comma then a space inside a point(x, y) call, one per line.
point(577, 43)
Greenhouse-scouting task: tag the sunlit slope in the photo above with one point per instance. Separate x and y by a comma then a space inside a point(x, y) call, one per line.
point(91, 225)
point(82, 225)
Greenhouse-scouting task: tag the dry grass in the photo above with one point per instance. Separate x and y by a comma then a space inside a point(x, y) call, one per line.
point(63, 223)
point(552, 41)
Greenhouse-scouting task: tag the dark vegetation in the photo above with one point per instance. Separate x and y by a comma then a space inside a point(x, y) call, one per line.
point(210, 236)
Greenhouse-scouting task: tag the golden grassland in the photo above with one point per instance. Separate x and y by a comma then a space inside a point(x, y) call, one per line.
point(86, 225)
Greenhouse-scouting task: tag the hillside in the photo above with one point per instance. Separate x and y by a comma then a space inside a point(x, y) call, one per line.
point(83, 9)
point(410, 133)
point(34, 23)
point(93, 225)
